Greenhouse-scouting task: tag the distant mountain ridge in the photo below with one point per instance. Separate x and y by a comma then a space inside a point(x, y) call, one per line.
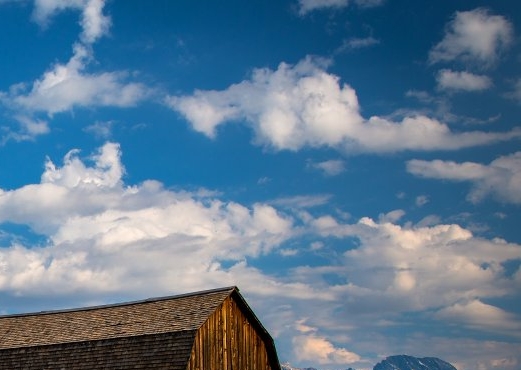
point(404, 362)
point(399, 362)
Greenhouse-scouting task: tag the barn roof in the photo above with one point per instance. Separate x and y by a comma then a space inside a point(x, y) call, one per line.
point(121, 333)
point(151, 316)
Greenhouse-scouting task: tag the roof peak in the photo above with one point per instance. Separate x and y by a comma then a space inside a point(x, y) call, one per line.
point(231, 288)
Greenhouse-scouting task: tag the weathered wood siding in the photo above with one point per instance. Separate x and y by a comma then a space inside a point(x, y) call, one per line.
point(228, 341)
point(168, 351)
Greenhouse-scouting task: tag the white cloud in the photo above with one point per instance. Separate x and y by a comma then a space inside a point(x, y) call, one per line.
point(311, 347)
point(474, 36)
point(29, 129)
point(309, 5)
point(304, 106)
point(391, 271)
point(357, 43)
point(332, 167)
point(500, 179)
point(397, 267)
point(289, 108)
point(301, 201)
point(93, 22)
point(46, 9)
point(306, 6)
point(462, 81)
point(392, 216)
point(66, 86)
point(101, 130)
point(477, 314)
point(104, 236)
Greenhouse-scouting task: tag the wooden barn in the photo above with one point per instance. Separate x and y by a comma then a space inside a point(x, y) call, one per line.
point(209, 330)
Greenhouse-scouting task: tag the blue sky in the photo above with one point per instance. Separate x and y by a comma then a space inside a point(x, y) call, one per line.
point(353, 166)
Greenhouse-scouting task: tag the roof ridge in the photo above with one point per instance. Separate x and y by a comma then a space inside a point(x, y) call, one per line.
point(231, 288)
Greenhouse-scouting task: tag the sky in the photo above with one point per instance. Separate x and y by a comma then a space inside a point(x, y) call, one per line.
point(353, 166)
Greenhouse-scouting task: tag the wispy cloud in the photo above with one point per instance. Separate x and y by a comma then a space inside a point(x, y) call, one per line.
point(332, 167)
point(421, 200)
point(462, 81)
point(477, 314)
point(358, 43)
point(306, 6)
point(29, 128)
point(101, 130)
point(500, 179)
point(516, 92)
point(93, 22)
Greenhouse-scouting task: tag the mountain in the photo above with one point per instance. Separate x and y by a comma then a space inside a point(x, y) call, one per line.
point(399, 362)
point(404, 362)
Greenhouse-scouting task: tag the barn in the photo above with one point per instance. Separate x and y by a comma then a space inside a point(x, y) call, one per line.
point(207, 330)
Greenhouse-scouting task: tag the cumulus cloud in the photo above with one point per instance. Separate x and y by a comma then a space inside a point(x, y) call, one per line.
point(434, 271)
point(66, 86)
point(309, 346)
point(397, 267)
point(500, 179)
point(103, 234)
point(473, 36)
point(289, 108)
point(462, 81)
point(100, 236)
point(304, 106)
point(319, 349)
point(306, 6)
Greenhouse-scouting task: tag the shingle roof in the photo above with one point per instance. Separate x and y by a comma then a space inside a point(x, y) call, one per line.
point(153, 316)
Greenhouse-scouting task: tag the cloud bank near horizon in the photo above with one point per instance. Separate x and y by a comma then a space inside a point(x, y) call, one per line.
point(103, 236)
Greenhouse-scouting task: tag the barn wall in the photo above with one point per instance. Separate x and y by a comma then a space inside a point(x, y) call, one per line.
point(169, 351)
point(228, 341)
